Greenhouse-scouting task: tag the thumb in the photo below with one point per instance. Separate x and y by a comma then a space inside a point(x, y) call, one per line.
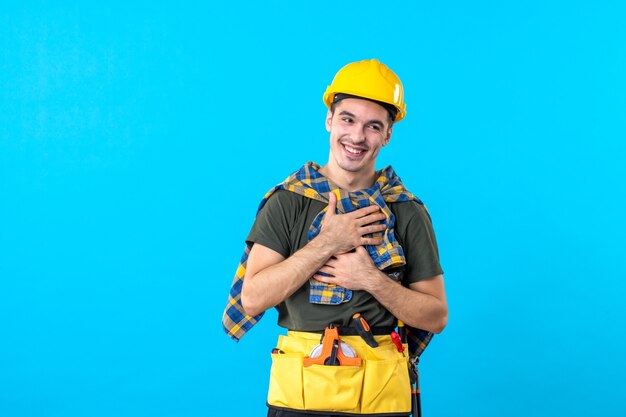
point(332, 204)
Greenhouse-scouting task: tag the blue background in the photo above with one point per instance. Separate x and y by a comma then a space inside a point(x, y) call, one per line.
point(136, 141)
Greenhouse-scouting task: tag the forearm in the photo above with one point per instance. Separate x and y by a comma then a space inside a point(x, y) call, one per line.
point(270, 278)
point(413, 307)
point(266, 287)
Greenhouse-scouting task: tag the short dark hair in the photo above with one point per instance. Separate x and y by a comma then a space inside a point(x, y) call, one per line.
point(391, 110)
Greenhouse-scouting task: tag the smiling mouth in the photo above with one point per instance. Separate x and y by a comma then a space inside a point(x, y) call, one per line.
point(352, 151)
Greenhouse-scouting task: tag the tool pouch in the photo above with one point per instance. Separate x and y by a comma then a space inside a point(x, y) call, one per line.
point(380, 385)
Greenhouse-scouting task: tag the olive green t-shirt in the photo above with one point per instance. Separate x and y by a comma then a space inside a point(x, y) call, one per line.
point(282, 225)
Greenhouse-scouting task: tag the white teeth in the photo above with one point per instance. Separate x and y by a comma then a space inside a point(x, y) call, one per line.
point(352, 150)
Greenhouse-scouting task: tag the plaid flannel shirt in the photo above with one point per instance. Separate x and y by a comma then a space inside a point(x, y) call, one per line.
point(308, 182)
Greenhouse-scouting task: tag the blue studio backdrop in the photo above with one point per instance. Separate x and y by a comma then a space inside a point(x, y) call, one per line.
point(136, 140)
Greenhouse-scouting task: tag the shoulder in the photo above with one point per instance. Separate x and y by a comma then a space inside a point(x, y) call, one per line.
point(410, 211)
point(412, 219)
point(290, 206)
point(284, 200)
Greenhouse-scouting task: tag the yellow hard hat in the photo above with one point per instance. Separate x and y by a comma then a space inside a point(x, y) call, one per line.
point(369, 79)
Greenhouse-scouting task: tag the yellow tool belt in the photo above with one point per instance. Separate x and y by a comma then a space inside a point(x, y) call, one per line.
point(380, 385)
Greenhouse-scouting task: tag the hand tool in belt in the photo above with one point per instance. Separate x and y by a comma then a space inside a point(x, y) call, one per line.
point(331, 355)
point(364, 330)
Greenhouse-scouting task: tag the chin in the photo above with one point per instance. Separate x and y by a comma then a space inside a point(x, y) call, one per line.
point(352, 167)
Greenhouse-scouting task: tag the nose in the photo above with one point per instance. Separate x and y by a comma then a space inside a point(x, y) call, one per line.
point(358, 133)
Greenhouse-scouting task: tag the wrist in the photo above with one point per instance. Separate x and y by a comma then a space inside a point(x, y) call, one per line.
point(377, 283)
point(323, 245)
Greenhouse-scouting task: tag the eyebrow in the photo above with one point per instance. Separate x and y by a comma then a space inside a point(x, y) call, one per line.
point(373, 121)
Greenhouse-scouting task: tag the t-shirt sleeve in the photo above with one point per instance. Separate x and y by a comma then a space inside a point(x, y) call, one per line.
point(271, 226)
point(419, 244)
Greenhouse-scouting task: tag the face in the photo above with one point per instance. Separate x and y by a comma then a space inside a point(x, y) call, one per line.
point(358, 129)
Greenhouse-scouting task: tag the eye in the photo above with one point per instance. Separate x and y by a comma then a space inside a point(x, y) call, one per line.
point(375, 127)
point(346, 119)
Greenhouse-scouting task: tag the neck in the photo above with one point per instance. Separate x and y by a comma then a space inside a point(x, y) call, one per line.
point(349, 181)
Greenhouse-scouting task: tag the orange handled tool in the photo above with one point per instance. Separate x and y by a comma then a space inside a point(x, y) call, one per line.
point(364, 330)
point(331, 355)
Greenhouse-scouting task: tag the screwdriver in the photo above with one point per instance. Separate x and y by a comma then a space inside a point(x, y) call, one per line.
point(364, 330)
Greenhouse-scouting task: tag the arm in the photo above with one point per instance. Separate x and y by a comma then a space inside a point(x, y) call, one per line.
point(270, 278)
point(422, 305)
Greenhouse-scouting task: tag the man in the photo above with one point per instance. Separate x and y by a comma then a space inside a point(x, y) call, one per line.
point(335, 241)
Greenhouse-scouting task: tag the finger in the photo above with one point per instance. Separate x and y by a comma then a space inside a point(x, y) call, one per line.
point(365, 211)
point(374, 217)
point(330, 263)
point(374, 241)
point(332, 204)
point(324, 278)
point(326, 270)
point(372, 229)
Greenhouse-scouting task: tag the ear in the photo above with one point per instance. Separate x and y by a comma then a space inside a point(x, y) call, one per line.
point(329, 119)
point(388, 138)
